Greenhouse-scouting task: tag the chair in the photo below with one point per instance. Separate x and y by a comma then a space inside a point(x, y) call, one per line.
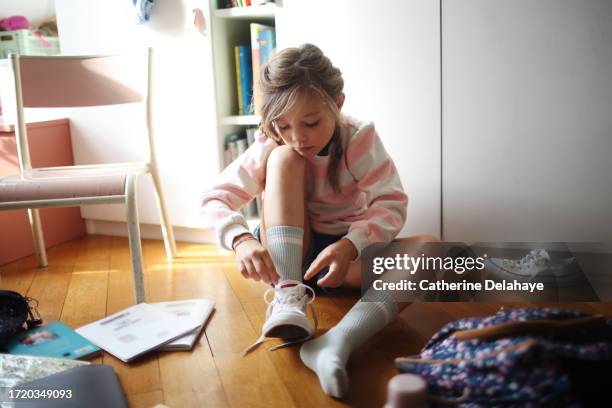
point(75, 81)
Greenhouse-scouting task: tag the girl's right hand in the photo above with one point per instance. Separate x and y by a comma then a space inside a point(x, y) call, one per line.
point(254, 262)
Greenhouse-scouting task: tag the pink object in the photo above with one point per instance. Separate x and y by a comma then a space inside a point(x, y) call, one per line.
point(61, 82)
point(42, 40)
point(14, 23)
point(406, 391)
point(53, 183)
point(49, 146)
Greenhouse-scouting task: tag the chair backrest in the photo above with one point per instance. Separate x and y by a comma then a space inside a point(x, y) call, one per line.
point(71, 81)
point(76, 81)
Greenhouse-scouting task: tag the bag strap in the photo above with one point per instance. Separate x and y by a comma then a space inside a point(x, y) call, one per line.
point(531, 327)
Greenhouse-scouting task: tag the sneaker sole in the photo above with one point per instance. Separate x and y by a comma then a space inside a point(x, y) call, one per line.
point(287, 331)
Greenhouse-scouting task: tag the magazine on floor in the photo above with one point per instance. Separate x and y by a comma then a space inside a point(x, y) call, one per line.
point(52, 340)
point(199, 309)
point(137, 330)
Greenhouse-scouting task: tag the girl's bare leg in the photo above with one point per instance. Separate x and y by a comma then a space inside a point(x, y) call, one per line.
point(285, 232)
point(285, 194)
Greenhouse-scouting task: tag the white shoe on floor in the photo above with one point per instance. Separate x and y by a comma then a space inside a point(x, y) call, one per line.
point(286, 316)
point(528, 266)
point(536, 261)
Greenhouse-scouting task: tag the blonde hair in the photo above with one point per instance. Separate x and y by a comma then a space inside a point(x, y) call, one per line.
point(285, 78)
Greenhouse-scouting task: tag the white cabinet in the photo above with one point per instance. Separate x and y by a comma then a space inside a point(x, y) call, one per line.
point(527, 137)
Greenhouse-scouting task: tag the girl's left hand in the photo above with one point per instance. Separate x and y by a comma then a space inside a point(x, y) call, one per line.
point(338, 257)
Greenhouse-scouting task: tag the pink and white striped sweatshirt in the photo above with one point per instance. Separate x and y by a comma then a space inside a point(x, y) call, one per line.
point(370, 207)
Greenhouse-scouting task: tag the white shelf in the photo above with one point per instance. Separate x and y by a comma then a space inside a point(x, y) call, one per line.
point(241, 120)
point(263, 11)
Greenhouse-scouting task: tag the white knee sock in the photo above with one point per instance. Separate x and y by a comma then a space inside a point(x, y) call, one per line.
point(327, 355)
point(285, 246)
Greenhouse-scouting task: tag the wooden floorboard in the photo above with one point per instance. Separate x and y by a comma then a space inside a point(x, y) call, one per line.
point(90, 278)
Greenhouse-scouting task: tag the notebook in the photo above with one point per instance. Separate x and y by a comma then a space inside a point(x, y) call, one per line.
point(136, 330)
point(52, 340)
point(199, 309)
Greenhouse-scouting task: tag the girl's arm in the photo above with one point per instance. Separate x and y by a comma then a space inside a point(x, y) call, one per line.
point(236, 186)
point(376, 175)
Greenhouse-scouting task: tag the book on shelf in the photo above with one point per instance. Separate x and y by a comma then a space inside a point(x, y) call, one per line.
point(199, 309)
point(257, 57)
point(255, 62)
point(238, 144)
point(244, 78)
point(250, 134)
point(238, 81)
point(267, 44)
point(256, 203)
point(136, 330)
point(234, 144)
point(52, 340)
point(243, 3)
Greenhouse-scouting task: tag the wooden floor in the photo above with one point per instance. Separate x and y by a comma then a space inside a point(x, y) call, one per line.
point(90, 278)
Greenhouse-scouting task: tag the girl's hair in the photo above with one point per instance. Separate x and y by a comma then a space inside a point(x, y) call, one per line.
point(288, 75)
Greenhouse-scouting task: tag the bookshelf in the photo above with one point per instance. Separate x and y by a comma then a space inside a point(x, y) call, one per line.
point(246, 13)
point(241, 120)
point(231, 27)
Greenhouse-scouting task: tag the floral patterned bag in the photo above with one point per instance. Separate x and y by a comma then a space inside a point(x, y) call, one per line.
point(523, 357)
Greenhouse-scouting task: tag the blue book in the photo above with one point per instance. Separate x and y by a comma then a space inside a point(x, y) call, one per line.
point(246, 77)
point(52, 340)
point(267, 44)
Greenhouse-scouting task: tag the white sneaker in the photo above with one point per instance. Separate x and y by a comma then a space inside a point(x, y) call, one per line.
point(536, 261)
point(286, 316)
point(528, 266)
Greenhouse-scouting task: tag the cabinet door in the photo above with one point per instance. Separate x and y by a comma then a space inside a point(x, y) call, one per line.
point(389, 54)
point(527, 140)
point(185, 118)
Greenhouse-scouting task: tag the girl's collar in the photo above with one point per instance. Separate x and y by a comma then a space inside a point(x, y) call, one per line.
point(325, 151)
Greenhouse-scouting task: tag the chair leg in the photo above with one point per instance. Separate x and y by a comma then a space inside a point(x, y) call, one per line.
point(134, 237)
point(37, 234)
point(166, 226)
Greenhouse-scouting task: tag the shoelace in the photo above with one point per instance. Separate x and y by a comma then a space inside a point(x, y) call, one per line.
point(288, 299)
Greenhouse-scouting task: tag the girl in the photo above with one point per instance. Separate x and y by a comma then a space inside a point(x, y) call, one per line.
point(329, 189)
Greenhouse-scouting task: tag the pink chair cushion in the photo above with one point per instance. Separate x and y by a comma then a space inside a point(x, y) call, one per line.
point(65, 182)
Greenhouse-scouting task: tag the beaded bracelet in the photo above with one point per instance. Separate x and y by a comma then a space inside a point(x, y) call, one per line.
point(241, 239)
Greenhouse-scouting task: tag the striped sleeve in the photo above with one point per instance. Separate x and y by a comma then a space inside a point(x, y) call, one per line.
point(377, 176)
point(235, 187)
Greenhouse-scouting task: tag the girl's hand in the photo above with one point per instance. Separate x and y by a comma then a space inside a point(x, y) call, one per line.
point(338, 257)
point(254, 262)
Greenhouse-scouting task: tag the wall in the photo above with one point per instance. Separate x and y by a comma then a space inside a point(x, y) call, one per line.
point(184, 106)
point(527, 126)
point(34, 10)
point(389, 54)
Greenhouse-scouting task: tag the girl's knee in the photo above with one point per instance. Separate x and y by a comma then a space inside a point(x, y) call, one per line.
point(284, 158)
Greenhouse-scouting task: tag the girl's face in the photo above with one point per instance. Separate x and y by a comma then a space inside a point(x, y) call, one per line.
point(309, 125)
